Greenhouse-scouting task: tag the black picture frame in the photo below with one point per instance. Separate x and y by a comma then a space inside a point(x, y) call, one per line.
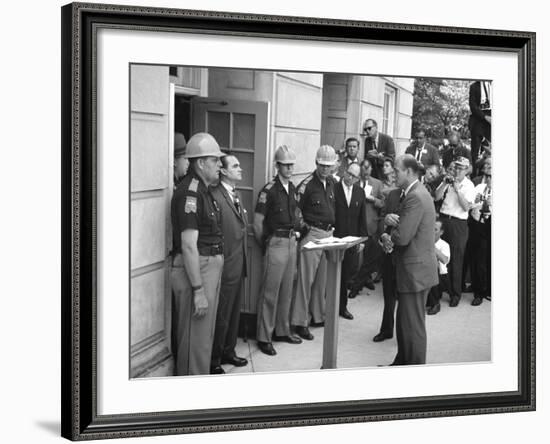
point(80, 420)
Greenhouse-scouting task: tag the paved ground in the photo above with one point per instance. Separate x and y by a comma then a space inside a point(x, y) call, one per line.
point(460, 334)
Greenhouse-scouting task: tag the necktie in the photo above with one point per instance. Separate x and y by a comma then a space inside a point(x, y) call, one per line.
point(402, 196)
point(418, 153)
point(236, 200)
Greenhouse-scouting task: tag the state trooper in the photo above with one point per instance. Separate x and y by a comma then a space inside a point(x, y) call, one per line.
point(197, 258)
point(317, 205)
point(275, 229)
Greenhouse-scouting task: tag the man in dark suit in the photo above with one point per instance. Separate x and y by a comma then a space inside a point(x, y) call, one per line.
point(412, 238)
point(378, 146)
point(391, 205)
point(480, 119)
point(372, 254)
point(422, 151)
point(234, 224)
point(352, 150)
point(350, 221)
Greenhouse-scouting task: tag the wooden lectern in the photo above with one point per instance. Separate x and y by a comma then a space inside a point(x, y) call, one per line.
point(334, 249)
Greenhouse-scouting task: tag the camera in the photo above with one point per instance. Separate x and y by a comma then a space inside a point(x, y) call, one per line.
point(449, 179)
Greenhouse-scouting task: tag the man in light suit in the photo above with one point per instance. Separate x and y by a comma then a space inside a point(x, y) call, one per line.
point(422, 151)
point(378, 147)
point(234, 223)
point(411, 239)
point(350, 221)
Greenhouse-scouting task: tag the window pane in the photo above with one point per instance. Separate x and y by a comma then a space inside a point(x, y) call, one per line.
point(243, 130)
point(218, 125)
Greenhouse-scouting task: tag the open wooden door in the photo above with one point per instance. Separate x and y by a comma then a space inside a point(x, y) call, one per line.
point(150, 192)
point(241, 127)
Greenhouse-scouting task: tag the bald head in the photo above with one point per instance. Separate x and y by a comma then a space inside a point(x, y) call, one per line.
point(352, 174)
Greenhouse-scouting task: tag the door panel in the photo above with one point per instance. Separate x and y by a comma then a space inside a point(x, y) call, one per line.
point(241, 128)
point(150, 186)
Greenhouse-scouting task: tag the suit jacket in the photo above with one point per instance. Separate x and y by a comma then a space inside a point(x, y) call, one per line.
point(474, 100)
point(391, 205)
point(385, 146)
point(350, 221)
point(429, 156)
point(413, 238)
point(373, 208)
point(234, 228)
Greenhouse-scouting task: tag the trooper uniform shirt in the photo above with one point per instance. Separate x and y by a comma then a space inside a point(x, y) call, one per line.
point(277, 206)
point(316, 200)
point(193, 207)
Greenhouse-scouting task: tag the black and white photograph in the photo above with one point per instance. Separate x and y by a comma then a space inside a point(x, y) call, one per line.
point(304, 221)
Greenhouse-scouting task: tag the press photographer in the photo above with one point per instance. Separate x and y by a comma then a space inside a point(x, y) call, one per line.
point(457, 194)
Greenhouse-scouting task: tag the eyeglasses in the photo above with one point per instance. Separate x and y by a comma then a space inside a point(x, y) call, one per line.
point(368, 128)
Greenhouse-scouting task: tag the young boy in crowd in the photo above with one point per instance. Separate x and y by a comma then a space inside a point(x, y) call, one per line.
point(443, 254)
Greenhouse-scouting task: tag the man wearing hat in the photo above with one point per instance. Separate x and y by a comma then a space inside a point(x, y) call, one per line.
point(275, 229)
point(181, 163)
point(457, 194)
point(197, 258)
point(317, 205)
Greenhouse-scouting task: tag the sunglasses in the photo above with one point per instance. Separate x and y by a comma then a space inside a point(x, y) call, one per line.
point(368, 128)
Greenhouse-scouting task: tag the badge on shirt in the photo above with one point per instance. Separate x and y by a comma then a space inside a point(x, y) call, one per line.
point(193, 185)
point(263, 198)
point(190, 204)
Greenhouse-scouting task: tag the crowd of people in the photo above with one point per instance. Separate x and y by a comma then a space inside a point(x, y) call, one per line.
point(426, 215)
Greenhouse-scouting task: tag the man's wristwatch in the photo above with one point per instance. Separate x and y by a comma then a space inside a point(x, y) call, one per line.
point(196, 288)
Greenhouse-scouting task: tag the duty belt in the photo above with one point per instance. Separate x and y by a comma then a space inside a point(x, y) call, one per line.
point(321, 225)
point(211, 250)
point(282, 232)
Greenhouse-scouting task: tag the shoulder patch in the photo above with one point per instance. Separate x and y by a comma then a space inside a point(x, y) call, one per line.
point(262, 198)
point(269, 185)
point(190, 204)
point(303, 184)
point(194, 185)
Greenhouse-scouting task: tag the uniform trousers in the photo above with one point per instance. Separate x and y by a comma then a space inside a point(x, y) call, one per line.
point(276, 294)
point(229, 311)
point(312, 277)
point(456, 235)
point(192, 337)
point(410, 328)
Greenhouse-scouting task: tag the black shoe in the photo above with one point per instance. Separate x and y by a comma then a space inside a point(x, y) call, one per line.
point(434, 309)
point(304, 333)
point(290, 339)
point(235, 360)
point(477, 301)
point(381, 337)
point(218, 370)
point(317, 324)
point(467, 288)
point(353, 293)
point(488, 297)
point(369, 284)
point(454, 301)
point(267, 348)
point(346, 314)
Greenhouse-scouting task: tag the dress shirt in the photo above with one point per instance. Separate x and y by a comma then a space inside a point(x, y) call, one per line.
point(451, 206)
